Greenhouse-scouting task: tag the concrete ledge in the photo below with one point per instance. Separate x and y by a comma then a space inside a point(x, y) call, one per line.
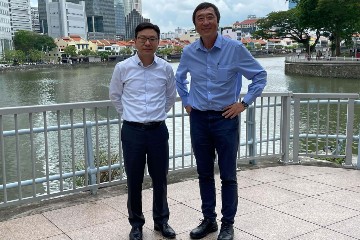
point(338, 69)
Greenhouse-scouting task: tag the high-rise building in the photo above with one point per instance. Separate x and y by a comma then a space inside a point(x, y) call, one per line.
point(129, 5)
point(35, 19)
point(42, 16)
point(119, 19)
point(5, 27)
point(100, 18)
point(20, 15)
point(66, 18)
point(292, 4)
point(131, 21)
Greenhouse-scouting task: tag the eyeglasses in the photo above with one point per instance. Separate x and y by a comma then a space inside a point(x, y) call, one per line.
point(143, 40)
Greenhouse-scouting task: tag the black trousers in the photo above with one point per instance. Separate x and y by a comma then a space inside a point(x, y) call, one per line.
point(140, 146)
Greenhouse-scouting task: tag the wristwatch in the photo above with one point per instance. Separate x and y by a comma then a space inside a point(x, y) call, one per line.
point(245, 104)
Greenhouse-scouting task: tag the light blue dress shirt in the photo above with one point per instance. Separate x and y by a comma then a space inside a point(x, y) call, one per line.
point(216, 75)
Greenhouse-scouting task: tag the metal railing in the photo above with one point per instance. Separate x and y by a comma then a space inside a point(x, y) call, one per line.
point(48, 151)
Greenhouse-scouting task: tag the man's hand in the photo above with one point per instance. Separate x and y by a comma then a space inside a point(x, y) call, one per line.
point(188, 109)
point(233, 110)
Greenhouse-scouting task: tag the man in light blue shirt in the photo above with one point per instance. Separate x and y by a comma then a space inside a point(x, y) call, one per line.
point(216, 65)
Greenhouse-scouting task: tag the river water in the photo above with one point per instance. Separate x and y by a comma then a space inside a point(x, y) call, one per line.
point(64, 85)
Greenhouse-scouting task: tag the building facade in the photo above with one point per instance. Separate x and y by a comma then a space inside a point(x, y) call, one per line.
point(119, 19)
point(100, 18)
point(129, 5)
point(35, 19)
point(66, 18)
point(5, 27)
point(131, 21)
point(20, 15)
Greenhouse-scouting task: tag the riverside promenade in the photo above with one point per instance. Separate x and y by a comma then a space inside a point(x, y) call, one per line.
point(302, 202)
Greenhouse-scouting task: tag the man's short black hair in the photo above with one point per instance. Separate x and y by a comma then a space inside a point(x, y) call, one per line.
point(206, 5)
point(147, 25)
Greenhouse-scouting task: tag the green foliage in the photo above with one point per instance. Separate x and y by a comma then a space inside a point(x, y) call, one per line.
point(104, 55)
point(178, 49)
point(87, 52)
point(35, 55)
point(104, 176)
point(70, 51)
point(338, 19)
point(126, 51)
point(164, 51)
point(27, 40)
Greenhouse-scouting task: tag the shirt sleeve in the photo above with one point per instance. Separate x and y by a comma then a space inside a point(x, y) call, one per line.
point(252, 70)
point(181, 80)
point(170, 89)
point(116, 89)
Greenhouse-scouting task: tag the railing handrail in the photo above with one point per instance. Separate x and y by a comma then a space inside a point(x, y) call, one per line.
point(252, 143)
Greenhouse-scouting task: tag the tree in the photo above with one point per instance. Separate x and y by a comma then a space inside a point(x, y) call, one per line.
point(340, 18)
point(35, 55)
point(87, 52)
point(27, 40)
point(285, 24)
point(70, 51)
point(126, 50)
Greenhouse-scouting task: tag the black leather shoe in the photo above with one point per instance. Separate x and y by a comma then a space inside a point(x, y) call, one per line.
point(206, 226)
point(226, 232)
point(136, 233)
point(165, 230)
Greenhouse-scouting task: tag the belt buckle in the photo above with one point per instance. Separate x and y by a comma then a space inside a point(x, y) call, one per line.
point(148, 124)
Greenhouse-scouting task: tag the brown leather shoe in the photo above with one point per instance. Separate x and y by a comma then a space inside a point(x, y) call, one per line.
point(165, 230)
point(206, 226)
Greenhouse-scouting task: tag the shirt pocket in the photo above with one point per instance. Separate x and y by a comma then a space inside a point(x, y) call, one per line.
point(223, 72)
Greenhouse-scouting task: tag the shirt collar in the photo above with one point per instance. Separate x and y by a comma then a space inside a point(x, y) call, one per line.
point(138, 61)
point(217, 44)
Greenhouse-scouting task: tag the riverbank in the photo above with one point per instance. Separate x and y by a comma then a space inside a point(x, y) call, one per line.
point(64, 65)
point(334, 68)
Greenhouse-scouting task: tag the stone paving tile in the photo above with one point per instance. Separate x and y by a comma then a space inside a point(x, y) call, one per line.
point(348, 227)
point(323, 234)
point(4, 231)
point(59, 237)
point(81, 216)
point(263, 175)
point(303, 171)
point(316, 211)
point(304, 186)
point(268, 195)
point(31, 227)
point(269, 224)
point(341, 180)
point(184, 191)
point(344, 198)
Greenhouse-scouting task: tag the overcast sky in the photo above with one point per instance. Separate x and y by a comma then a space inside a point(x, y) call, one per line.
point(170, 14)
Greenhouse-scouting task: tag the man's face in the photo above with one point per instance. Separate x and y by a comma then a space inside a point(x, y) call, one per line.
point(206, 22)
point(147, 42)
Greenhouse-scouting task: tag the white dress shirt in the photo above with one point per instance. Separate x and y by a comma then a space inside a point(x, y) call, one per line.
point(143, 94)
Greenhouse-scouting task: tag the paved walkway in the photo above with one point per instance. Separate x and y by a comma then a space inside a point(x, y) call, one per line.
point(275, 203)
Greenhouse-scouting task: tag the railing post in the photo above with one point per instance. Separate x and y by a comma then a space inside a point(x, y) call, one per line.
point(251, 132)
point(349, 133)
point(90, 158)
point(296, 138)
point(285, 127)
point(358, 156)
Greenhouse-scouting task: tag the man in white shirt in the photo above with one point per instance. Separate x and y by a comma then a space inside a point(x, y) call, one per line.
point(142, 90)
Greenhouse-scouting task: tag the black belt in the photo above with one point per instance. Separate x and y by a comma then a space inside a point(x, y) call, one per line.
point(147, 125)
